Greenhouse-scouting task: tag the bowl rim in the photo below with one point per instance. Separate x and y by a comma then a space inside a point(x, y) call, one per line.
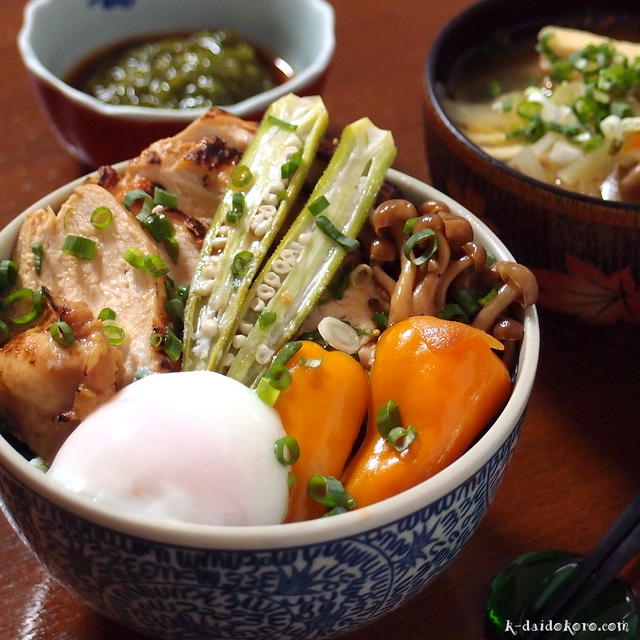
point(314, 531)
point(430, 72)
point(253, 104)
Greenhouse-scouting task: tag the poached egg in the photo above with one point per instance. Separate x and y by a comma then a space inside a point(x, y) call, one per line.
point(191, 446)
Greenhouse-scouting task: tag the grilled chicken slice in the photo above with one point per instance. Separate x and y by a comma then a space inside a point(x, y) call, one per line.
point(107, 280)
point(195, 164)
point(47, 389)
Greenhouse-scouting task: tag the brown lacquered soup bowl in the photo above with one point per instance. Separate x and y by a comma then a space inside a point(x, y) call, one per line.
point(58, 35)
point(584, 251)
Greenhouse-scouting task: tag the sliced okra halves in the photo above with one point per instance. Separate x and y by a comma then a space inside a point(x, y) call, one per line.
point(263, 187)
point(307, 258)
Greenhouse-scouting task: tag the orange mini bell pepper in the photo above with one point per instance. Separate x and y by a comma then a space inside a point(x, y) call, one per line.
point(447, 384)
point(323, 409)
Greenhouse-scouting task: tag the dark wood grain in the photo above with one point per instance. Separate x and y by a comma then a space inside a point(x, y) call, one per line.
point(576, 464)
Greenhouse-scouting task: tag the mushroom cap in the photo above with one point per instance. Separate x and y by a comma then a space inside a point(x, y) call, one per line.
point(391, 213)
point(508, 329)
point(520, 278)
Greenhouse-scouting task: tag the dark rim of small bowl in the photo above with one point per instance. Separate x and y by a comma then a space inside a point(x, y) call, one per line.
point(430, 74)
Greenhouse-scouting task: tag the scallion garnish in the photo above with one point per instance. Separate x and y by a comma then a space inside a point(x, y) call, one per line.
point(79, 247)
point(8, 274)
point(409, 224)
point(318, 205)
point(107, 314)
point(424, 235)
point(287, 450)
point(34, 298)
point(175, 309)
point(241, 263)
point(237, 208)
point(172, 345)
point(329, 491)
point(388, 418)
point(336, 511)
point(156, 339)
point(101, 217)
point(281, 123)
point(466, 301)
point(291, 165)
point(155, 265)
point(38, 253)
point(135, 257)
point(291, 479)
point(453, 310)
point(62, 333)
point(279, 376)
point(381, 319)
point(5, 332)
point(484, 300)
point(164, 198)
point(114, 332)
point(401, 439)
point(327, 227)
point(267, 392)
point(138, 194)
point(267, 318)
point(287, 352)
point(241, 176)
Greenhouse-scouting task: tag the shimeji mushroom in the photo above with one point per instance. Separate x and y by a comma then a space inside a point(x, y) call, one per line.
point(510, 332)
point(519, 285)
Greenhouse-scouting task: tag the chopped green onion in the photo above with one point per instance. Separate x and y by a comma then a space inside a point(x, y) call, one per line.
point(135, 195)
point(451, 311)
point(8, 274)
point(281, 123)
point(155, 265)
point(507, 105)
point(279, 376)
point(622, 110)
point(363, 331)
point(267, 392)
point(237, 208)
point(39, 464)
point(291, 479)
point(143, 372)
point(311, 363)
point(329, 491)
point(5, 332)
point(287, 450)
point(241, 176)
point(466, 301)
point(401, 439)
point(388, 418)
point(172, 247)
point(34, 297)
point(38, 249)
point(114, 332)
point(291, 165)
point(158, 225)
point(164, 198)
point(101, 217)
point(241, 262)
point(529, 109)
point(156, 339)
point(79, 247)
point(484, 300)
point(107, 314)
point(135, 257)
point(287, 352)
point(409, 224)
point(318, 205)
point(175, 309)
point(381, 318)
point(336, 511)
point(182, 292)
point(326, 226)
point(172, 345)
point(267, 318)
point(425, 234)
point(62, 333)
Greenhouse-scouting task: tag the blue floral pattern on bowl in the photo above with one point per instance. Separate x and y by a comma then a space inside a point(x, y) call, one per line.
point(111, 4)
point(302, 593)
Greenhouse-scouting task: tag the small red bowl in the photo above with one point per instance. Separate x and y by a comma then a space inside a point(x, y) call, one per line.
point(57, 35)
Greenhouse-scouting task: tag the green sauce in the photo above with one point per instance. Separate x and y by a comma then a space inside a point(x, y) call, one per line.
point(202, 69)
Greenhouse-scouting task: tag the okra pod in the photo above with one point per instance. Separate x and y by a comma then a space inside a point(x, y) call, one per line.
point(309, 255)
point(263, 187)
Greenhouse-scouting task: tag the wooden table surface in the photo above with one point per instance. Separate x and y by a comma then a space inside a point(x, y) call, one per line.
point(576, 465)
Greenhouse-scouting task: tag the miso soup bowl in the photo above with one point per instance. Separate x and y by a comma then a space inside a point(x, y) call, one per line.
point(57, 35)
point(301, 581)
point(584, 251)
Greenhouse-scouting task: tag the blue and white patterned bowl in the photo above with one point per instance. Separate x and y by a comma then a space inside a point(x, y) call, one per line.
point(303, 581)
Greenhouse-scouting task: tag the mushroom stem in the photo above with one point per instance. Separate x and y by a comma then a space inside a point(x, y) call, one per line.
point(401, 306)
point(387, 283)
point(488, 315)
